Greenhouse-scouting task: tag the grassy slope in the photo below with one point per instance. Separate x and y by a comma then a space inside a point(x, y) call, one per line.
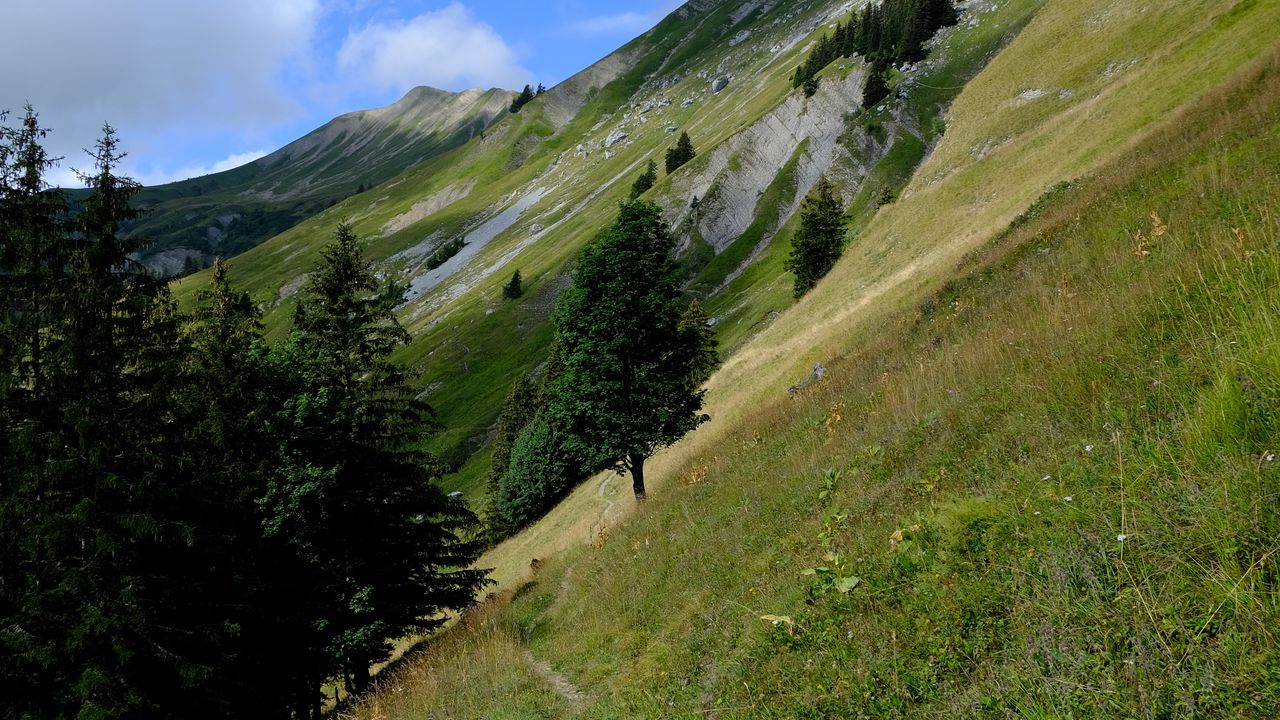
point(1052, 339)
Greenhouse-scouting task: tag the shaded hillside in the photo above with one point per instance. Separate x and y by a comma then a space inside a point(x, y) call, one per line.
point(226, 213)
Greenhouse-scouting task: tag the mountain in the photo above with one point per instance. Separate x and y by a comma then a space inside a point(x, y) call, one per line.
point(1036, 476)
point(226, 213)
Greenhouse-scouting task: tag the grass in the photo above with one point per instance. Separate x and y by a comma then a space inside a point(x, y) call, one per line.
point(1055, 438)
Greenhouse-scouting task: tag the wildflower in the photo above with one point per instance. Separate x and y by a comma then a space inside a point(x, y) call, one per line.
point(1045, 478)
point(1036, 512)
point(1066, 499)
point(1270, 456)
point(1155, 383)
point(1088, 448)
point(1121, 537)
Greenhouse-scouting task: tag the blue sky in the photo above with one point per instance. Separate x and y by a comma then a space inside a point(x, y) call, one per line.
point(195, 86)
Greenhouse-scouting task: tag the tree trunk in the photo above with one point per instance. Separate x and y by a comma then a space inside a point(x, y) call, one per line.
point(637, 474)
point(360, 680)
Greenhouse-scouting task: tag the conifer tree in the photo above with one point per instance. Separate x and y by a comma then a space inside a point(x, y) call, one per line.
point(680, 154)
point(875, 88)
point(513, 289)
point(522, 99)
point(645, 181)
point(819, 240)
point(626, 385)
point(361, 503)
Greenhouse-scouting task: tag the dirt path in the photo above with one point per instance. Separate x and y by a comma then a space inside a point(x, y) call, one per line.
point(561, 684)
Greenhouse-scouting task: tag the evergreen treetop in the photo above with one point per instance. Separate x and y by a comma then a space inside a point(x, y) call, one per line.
point(818, 242)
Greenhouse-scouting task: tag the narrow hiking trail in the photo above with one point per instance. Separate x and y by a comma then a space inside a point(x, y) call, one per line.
point(561, 684)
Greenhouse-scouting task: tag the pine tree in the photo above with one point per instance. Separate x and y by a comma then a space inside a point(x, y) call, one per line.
point(513, 289)
point(695, 328)
point(645, 181)
point(680, 154)
point(625, 387)
point(818, 242)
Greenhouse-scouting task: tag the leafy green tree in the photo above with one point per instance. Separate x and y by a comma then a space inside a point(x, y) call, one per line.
point(626, 385)
point(819, 240)
point(645, 181)
point(680, 154)
point(513, 289)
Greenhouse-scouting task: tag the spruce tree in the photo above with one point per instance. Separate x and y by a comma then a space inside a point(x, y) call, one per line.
point(522, 99)
point(819, 240)
point(360, 502)
point(513, 289)
point(626, 381)
point(680, 154)
point(645, 181)
point(875, 88)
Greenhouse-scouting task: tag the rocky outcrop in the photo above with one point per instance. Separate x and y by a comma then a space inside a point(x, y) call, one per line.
point(731, 179)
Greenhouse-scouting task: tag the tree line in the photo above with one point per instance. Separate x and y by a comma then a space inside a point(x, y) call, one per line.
point(193, 522)
point(888, 33)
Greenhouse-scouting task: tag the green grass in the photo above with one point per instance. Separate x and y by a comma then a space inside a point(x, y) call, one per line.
point(1063, 357)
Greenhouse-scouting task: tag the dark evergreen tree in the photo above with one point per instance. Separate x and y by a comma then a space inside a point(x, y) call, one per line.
point(513, 289)
point(541, 89)
point(680, 154)
point(359, 502)
point(819, 240)
point(810, 86)
point(626, 384)
point(522, 99)
point(696, 328)
point(645, 181)
point(875, 88)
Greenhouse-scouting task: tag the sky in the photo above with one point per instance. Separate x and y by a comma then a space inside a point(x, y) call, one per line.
point(198, 86)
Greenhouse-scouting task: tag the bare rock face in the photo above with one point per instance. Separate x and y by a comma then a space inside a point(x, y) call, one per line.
point(719, 84)
point(615, 137)
point(738, 170)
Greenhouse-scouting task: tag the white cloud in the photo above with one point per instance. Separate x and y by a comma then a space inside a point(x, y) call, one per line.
point(159, 70)
point(448, 48)
point(627, 24)
point(192, 171)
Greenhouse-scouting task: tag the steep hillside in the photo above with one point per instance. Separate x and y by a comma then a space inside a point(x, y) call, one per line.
point(1039, 478)
point(540, 184)
point(226, 213)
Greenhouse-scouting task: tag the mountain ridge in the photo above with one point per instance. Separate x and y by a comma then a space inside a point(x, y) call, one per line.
point(222, 214)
